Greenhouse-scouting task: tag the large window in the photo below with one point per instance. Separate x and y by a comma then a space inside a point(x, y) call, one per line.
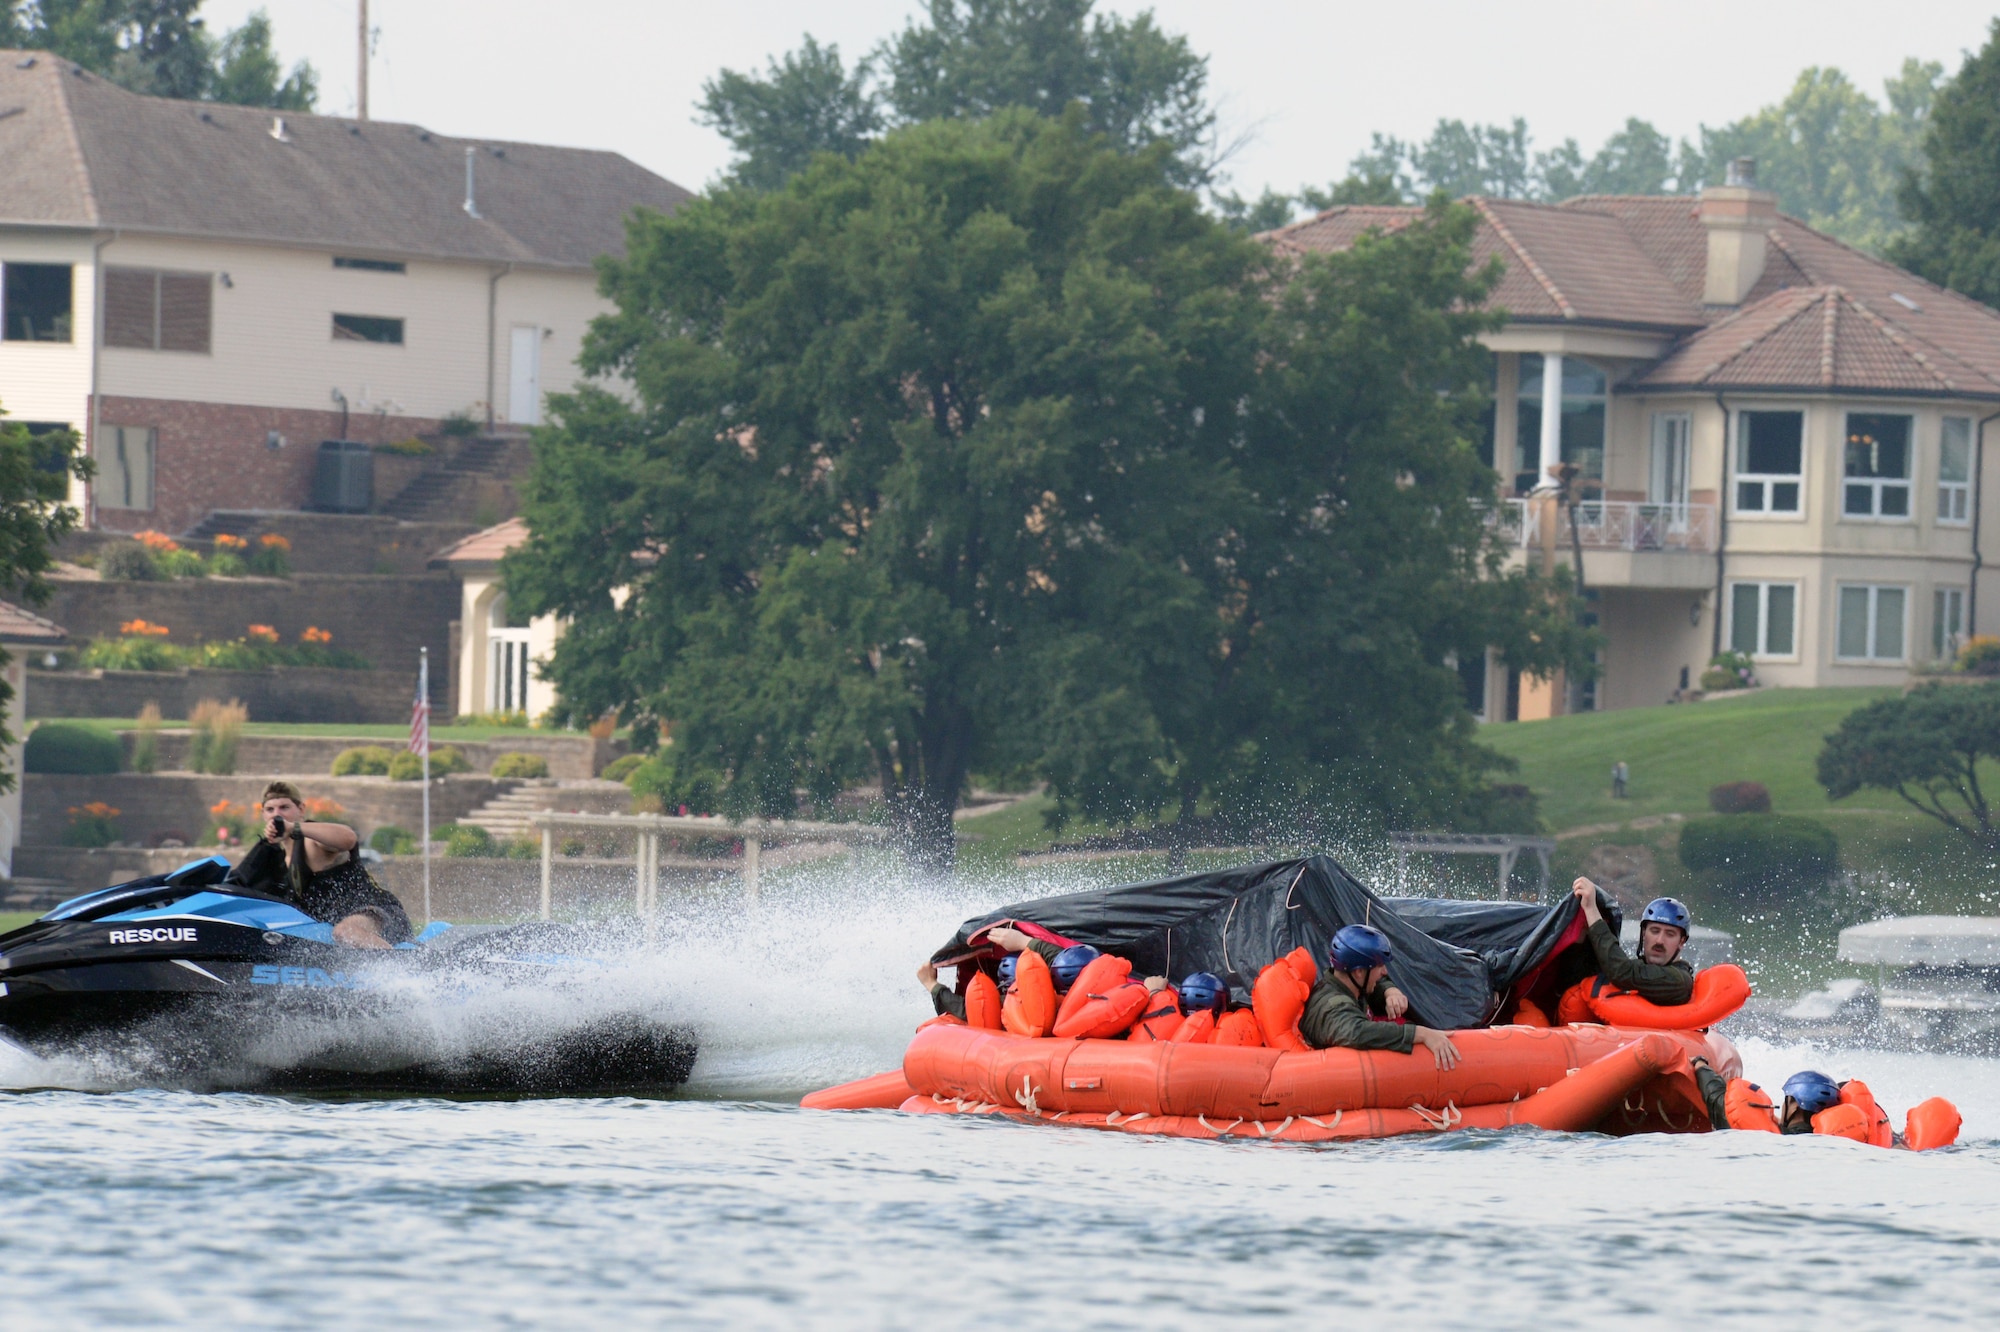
point(1871, 622)
point(1770, 461)
point(1667, 479)
point(1947, 622)
point(35, 302)
point(1586, 396)
point(1955, 470)
point(1763, 619)
point(125, 457)
point(367, 328)
point(1878, 466)
point(149, 310)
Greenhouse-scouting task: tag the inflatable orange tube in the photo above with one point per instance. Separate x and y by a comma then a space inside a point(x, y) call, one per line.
point(1238, 1028)
point(1842, 1121)
point(1718, 991)
point(982, 1003)
point(1596, 1096)
point(884, 1091)
point(1855, 1092)
point(1196, 1029)
point(1161, 1019)
point(1103, 974)
point(1279, 999)
point(1749, 1107)
point(1030, 1009)
point(1933, 1123)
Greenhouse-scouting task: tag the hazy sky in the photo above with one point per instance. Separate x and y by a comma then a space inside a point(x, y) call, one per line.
point(1307, 82)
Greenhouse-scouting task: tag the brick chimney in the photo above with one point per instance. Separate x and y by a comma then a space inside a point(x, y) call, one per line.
point(1738, 216)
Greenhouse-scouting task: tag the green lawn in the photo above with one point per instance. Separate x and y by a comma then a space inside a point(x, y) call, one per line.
point(1677, 753)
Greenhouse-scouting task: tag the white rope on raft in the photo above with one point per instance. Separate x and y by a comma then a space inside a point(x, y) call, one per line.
point(1321, 1123)
point(1112, 1120)
point(1027, 1096)
point(1274, 1132)
point(1440, 1120)
point(1202, 1119)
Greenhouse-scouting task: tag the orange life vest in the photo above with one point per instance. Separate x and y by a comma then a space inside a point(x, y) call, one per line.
point(1195, 1029)
point(1104, 1014)
point(1238, 1028)
point(982, 1003)
point(1528, 1013)
point(1748, 1106)
point(1933, 1123)
point(1030, 1009)
point(1855, 1092)
point(1574, 1006)
point(1718, 991)
point(1279, 999)
point(1842, 1121)
point(1161, 1019)
point(1091, 986)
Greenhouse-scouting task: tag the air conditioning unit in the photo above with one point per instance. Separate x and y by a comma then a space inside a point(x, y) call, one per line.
point(346, 481)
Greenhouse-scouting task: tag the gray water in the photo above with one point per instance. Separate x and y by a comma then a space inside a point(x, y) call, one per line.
point(731, 1207)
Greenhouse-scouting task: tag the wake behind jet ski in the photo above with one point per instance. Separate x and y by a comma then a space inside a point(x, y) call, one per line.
point(203, 984)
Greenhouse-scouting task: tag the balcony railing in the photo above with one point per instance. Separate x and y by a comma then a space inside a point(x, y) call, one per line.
point(1611, 525)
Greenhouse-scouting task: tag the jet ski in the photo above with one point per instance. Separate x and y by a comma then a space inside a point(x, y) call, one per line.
point(182, 981)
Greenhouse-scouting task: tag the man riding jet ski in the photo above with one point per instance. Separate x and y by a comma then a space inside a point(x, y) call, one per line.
point(211, 984)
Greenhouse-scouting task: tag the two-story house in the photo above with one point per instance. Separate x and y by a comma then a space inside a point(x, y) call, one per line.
point(1778, 438)
point(207, 291)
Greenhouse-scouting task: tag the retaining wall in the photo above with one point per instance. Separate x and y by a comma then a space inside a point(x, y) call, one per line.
point(568, 755)
point(176, 805)
point(289, 694)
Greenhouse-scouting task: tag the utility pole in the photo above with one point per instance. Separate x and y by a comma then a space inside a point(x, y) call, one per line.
point(361, 81)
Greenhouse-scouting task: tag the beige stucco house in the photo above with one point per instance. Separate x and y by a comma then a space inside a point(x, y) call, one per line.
point(500, 655)
point(1779, 439)
point(206, 292)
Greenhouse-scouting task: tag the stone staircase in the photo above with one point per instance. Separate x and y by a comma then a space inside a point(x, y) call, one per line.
point(25, 894)
point(447, 490)
point(505, 816)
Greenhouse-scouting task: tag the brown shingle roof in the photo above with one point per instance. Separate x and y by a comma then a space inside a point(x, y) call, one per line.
point(20, 626)
point(76, 150)
point(485, 546)
point(1823, 316)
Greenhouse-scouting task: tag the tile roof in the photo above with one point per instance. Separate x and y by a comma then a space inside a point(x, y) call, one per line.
point(20, 626)
point(76, 150)
point(1822, 317)
point(485, 546)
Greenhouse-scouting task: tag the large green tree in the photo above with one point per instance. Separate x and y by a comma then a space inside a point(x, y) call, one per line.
point(162, 48)
point(965, 59)
point(1953, 195)
point(892, 422)
point(1928, 748)
point(35, 474)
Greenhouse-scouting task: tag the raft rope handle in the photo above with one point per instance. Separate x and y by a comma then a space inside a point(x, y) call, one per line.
point(1026, 1098)
point(1274, 1132)
point(1321, 1123)
point(1441, 1120)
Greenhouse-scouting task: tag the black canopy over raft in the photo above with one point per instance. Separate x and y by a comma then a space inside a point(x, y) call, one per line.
point(1462, 964)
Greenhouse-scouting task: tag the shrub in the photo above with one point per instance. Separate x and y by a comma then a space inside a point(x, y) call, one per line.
point(516, 764)
point(1756, 854)
point(227, 564)
point(467, 840)
point(272, 556)
point(363, 761)
point(507, 719)
point(665, 787)
point(319, 809)
point(132, 653)
point(146, 745)
point(1979, 656)
point(621, 768)
point(393, 841)
point(448, 759)
point(234, 824)
point(1729, 670)
point(528, 846)
point(460, 424)
point(1740, 798)
point(128, 561)
point(217, 727)
point(407, 767)
point(71, 748)
point(179, 563)
point(93, 824)
point(405, 448)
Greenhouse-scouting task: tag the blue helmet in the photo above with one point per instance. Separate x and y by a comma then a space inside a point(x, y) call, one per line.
point(1204, 990)
point(1813, 1091)
point(1359, 947)
point(1007, 965)
point(1668, 912)
point(1070, 962)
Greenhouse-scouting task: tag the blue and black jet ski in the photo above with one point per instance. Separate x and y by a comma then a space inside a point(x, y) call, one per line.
point(208, 987)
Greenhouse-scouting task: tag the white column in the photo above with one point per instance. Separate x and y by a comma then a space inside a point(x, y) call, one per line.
point(1552, 414)
point(548, 867)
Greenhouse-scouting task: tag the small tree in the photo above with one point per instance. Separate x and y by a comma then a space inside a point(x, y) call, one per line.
point(1925, 746)
point(35, 472)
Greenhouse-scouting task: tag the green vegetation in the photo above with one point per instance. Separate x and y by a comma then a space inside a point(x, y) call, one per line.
point(620, 769)
point(1927, 747)
point(144, 647)
point(393, 841)
point(36, 470)
point(215, 729)
point(445, 760)
point(66, 747)
point(1759, 856)
point(363, 761)
point(519, 765)
point(91, 825)
point(162, 49)
point(396, 731)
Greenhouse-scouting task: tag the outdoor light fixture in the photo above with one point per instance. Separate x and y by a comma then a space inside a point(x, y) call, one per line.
point(1694, 614)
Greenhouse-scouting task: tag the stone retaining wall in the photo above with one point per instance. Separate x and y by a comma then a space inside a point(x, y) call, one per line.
point(288, 694)
point(176, 804)
point(568, 755)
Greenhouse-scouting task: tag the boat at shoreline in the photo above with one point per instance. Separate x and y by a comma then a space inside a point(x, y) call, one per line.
point(1936, 988)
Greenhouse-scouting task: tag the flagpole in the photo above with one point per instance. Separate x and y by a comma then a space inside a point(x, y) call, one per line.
point(424, 701)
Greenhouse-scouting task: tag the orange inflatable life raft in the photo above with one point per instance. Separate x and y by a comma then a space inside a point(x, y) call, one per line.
point(982, 1003)
point(1718, 992)
point(1030, 1009)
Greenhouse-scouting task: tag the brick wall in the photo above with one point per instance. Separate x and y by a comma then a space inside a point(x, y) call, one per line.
point(177, 804)
point(214, 456)
point(356, 698)
point(385, 618)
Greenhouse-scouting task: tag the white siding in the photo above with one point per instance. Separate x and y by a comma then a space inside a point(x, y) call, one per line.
point(50, 381)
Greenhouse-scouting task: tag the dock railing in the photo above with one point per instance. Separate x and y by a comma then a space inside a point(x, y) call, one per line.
point(650, 828)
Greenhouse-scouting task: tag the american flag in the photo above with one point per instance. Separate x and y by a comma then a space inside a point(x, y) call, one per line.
point(420, 724)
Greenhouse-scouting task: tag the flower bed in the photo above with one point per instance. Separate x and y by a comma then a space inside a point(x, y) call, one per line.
point(142, 646)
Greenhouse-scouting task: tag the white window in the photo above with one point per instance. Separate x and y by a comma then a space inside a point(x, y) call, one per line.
point(1877, 484)
point(1770, 462)
point(1955, 470)
point(1871, 623)
point(125, 467)
point(508, 687)
point(1947, 622)
point(1764, 618)
point(1667, 482)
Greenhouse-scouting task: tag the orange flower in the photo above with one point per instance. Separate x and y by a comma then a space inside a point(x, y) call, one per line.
point(226, 541)
point(263, 633)
point(314, 634)
point(157, 542)
point(223, 809)
point(318, 808)
point(143, 629)
point(96, 809)
point(272, 541)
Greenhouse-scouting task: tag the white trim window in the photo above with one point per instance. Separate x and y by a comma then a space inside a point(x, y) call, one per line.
point(1877, 483)
point(1667, 476)
point(1872, 622)
point(1947, 622)
point(1764, 619)
point(1770, 463)
point(507, 678)
point(125, 458)
point(1955, 471)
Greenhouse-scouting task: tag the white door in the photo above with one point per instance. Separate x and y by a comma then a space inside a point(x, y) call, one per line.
point(524, 377)
point(1667, 481)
